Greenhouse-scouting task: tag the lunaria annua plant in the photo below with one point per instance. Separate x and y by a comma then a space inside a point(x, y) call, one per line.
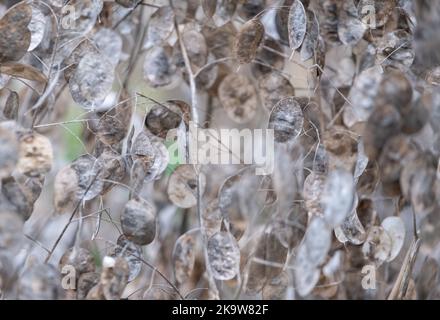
point(100, 196)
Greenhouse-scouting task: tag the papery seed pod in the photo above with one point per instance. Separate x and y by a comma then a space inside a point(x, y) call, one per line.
point(166, 116)
point(131, 252)
point(114, 277)
point(19, 196)
point(10, 111)
point(396, 230)
point(276, 288)
point(395, 89)
point(80, 258)
point(158, 69)
point(86, 282)
point(89, 184)
point(223, 256)
point(286, 119)
point(36, 154)
point(310, 41)
point(86, 14)
point(395, 49)
point(195, 45)
point(341, 146)
point(378, 245)
point(238, 97)
point(270, 60)
point(296, 24)
point(375, 13)
point(15, 36)
point(160, 26)
point(317, 240)
point(208, 76)
point(350, 27)
point(338, 197)
point(182, 186)
point(65, 189)
point(224, 12)
point(250, 8)
point(109, 44)
point(273, 87)
point(112, 169)
point(40, 282)
point(9, 152)
point(369, 179)
point(220, 40)
point(37, 27)
point(313, 189)
point(138, 221)
point(71, 62)
point(306, 273)
point(209, 7)
point(351, 230)
point(248, 40)
point(184, 256)
point(327, 15)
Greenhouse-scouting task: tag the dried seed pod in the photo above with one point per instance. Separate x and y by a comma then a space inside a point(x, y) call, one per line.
point(250, 8)
point(11, 230)
point(395, 49)
point(160, 26)
point(313, 189)
point(92, 80)
point(317, 241)
point(396, 230)
point(195, 45)
point(80, 258)
point(351, 230)
point(350, 27)
point(338, 197)
point(131, 253)
point(368, 180)
point(296, 24)
point(86, 14)
point(65, 189)
point(86, 282)
point(208, 76)
point(184, 256)
point(166, 116)
point(37, 27)
point(36, 154)
point(89, 184)
point(276, 288)
point(270, 60)
point(378, 245)
point(306, 273)
point(223, 256)
point(374, 13)
point(40, 282)
point(220, 40)
point(274, 87)
point(224, 12)
point(10, 111)
point(286, 119)
point(238, 97)
point(328, 21)
point(138, 221)
point(395, 89)
point(114, 277)
point(182, 186)
point(112, 169)
point(19, 196)
point(310, 41)
point(159, 71)
point(109, 44)
point(15, 35)
point(248, 40)
point(209, 7)
point(9, 152)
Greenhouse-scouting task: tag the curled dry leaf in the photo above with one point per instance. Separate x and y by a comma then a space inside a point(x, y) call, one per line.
point(238, 98)
point(184, 256)
point(223, 256)
point(23, 71)
point(248, 40)
point(138, 221)
point(182, 186)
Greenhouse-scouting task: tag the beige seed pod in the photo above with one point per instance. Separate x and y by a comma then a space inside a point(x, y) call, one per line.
point(182, 186)
point(114, 277)
point(184, 257)
point(36, 154)
point(65, 189)
point(248, 40)
point(80, 258)
point(138, 221)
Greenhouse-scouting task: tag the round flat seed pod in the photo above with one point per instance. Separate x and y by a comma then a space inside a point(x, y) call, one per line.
point(166, 116)
point(19, 196)
point(286, 119)
point(9, 152)
point(248, 40)
point(351, 230)
point(273, 87)
point(223, 256)
point(15, 36)
point(396, 230)
point(378, 245)
point(138, 221)
point(238, 97)
point(160, 26)
point(131, 253)
point(112, 169)
point(317, 241)
point(184, 256)
point(313, 189)
point(195, 45)
point(296, 24)
point(86, 14)
point(89, 185)
point(114, 277)
point(40, 282)
point(80, 258)
point(338, 197)
point(70, 63)
point(35, 155)
point(109, 44)
point(92, 80)
point(86, 282)
point(66, 187)
point(158, 70)
point(182, 186)
point(350, 27)
point(395, 49)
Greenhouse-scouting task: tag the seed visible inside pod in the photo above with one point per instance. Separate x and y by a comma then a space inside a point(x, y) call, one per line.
point(296, 24)
point(248, 40)
point(182, 186)
point(40, 282)
point(166, 116)
point(238, 97)
point(184, 256)
point(89, 184)
point(223, 256)
point(286, 119)
point(273, 87)
point(138, 221)
point(112, 169)
point(131, 253)
point(114, 277)
point(36, 154)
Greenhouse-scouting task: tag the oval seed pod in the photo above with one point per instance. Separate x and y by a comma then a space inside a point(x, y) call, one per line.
point(10, 111)
point(269, 58)
point(248, 40)
point(209, 7)
point(160, 26)
point(37, 27)
point(86, 14)
point(166, 116)
point(89, 184)
point(109, 44)
point(36, 154)
point(138, 221)
point(19, 196)
point(396, 230)
point(40, 282)
point(338, 197)
point(313, 189)
point(306, 273)
point(65, 189)
point(223, 256)
point(238, 97)
point(114, 277)
point(195, 45)
point(86, 282)
point(350, 27)
point(286, 119)
point(112, 169)
point(158, 69)
point(274, 87)
point(131, 253)
point(310, 41)
point(184, 257)
point(378, 245)
point(395, 49)
point(296, 24)
point(9, 152)
point(317, 240)
point(80, 258)
point(351, 230)
point(182, 186)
